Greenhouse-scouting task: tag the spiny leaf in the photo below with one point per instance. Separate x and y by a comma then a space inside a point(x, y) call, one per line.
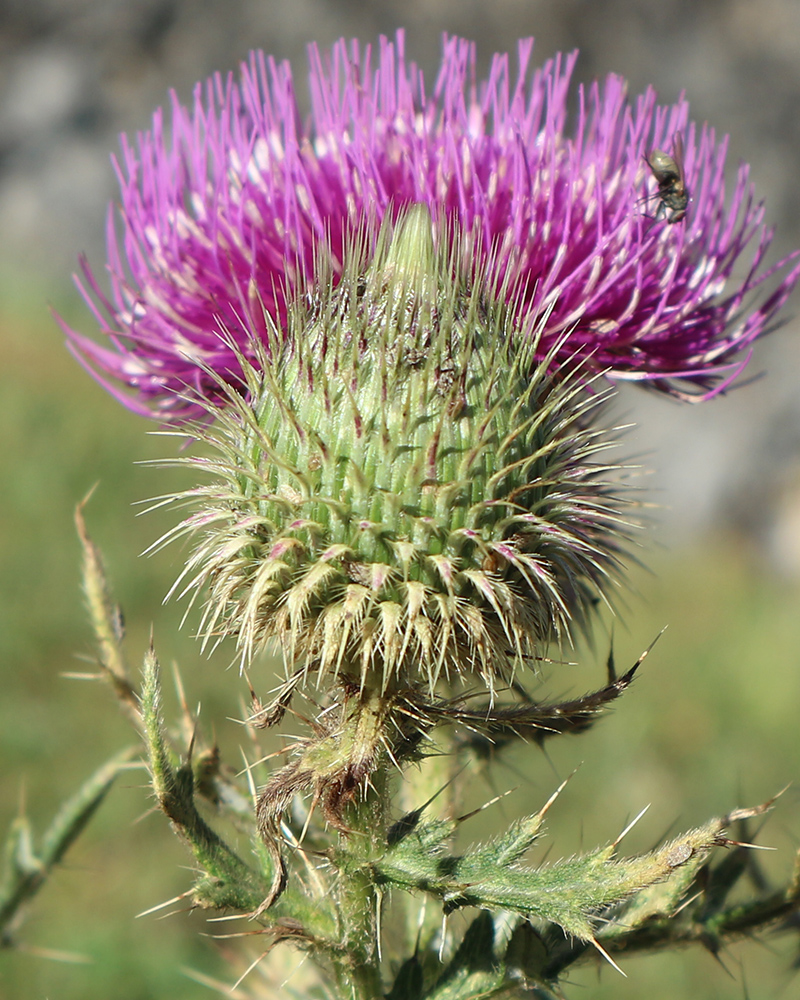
point(26, 867)
point(497, 957)
point(106, 619)
point(661, 918)
point(492, 725)
point(475, 970)
point(569, 893)
point(227, 880)
point(408, 982)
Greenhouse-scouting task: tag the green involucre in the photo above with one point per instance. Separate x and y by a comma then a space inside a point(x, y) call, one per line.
point(403, 490)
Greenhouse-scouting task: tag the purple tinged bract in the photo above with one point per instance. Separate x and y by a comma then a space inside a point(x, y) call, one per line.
point(223, 208)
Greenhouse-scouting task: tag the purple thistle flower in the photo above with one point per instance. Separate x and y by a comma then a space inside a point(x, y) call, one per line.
point(220, 220)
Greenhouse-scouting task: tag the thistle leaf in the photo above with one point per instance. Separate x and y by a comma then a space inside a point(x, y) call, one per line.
point(491, 725)
point(26, 867)
point(408, 982)
point(106, 619)
point(569, 893)
point(226, 881)
point(496, 957)
point(474, 970)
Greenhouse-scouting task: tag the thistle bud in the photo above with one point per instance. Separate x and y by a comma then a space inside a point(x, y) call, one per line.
point(404, 492)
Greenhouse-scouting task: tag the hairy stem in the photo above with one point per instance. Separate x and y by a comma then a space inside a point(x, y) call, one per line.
point(357, 965)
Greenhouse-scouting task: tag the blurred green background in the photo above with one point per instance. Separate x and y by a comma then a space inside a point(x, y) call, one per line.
point(711, 723)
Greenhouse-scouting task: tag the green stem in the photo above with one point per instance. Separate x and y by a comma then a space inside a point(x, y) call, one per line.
point(357, 965)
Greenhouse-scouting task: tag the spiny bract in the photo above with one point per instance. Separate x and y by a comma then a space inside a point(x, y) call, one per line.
point(404, 492)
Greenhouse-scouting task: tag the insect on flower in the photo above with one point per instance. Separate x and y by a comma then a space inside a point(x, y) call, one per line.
point(673, 194)
point(225, 202)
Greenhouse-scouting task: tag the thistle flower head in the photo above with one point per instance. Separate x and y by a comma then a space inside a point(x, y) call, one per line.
point(629, 253)
point(402, 492)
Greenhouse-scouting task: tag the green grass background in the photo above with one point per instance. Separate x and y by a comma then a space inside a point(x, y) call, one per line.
point(711, 723)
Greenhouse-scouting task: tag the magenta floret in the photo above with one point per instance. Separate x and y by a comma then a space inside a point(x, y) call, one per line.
point(221, 215)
